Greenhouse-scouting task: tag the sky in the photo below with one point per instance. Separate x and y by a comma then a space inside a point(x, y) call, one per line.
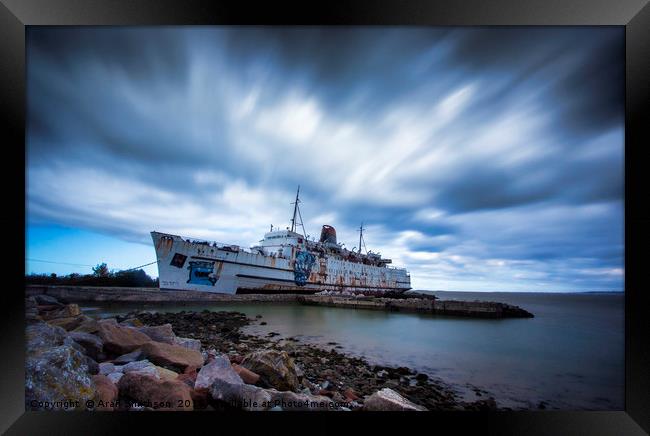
point(479, 158)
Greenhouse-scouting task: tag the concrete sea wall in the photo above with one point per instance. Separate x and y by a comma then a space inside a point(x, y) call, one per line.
point(476, 309)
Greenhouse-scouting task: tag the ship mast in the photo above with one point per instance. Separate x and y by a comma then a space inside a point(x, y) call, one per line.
point(296, 210)
point(361, 238)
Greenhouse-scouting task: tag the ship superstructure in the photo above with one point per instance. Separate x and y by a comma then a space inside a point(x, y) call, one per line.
point(283, 261)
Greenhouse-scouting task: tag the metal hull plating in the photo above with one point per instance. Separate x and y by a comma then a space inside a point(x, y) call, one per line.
point(195, 266)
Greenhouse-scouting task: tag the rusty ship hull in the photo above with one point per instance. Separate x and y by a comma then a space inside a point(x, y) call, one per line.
point(285, 262)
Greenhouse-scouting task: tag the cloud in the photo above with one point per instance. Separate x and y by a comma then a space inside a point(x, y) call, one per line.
point(477, 158)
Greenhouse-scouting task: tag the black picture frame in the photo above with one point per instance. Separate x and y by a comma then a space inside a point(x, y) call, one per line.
point(633, 14)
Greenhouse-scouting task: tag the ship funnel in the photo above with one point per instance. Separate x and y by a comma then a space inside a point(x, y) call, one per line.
point(328, 234)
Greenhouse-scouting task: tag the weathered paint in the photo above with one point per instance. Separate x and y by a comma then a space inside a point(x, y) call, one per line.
point(225, 269)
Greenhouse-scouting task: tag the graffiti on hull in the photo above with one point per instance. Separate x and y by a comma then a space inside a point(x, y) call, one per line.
point(302, 267)
point(202, 273)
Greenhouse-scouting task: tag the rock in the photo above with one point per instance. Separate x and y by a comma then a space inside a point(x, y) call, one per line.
point(294, 401)
point(106, 368)
point(240, 395)
point(402, 370)
point(248, 376)
point(188, 379)
point(159, 333)
point(136, 366)
point(350, 395)
point(67, 323)
point(87, 325)
point(132, 322)
point(31, 310)
point(42, 335)
point(93, 366)
point(171, 355)
point(149, 370)
point(92, 344)
point(166, 374)
point(249, 397)
point(70, 342)
point(389, 400)
point(129, 357)
point(200, 398)
point(236, 358)
point(115, 376)
point(67, 311)
point(121, 339)
point(158, 394)
point(105, 393)
point(55, 373)
point(275, 368)
point(46, 299)
point(422, 377)
point(189, 343)
point(219, 368)
point(299, 372)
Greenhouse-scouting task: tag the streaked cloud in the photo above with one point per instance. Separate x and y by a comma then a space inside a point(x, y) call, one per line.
point(479, 158)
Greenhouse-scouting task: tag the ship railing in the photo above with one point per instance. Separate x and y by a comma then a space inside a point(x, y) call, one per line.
point(218, 245)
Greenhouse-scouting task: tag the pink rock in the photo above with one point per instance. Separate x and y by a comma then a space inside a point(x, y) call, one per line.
point(247, 375)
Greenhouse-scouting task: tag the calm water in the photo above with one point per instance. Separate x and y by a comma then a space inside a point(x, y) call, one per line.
point(570, 355)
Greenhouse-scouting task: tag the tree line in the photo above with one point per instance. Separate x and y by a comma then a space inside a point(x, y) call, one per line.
point(101, 276)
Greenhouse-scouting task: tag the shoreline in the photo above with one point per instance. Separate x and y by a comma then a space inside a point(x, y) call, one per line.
point(413, 302)
point(205, 360)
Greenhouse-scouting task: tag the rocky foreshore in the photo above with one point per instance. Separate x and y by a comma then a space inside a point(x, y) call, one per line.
point(203, 361)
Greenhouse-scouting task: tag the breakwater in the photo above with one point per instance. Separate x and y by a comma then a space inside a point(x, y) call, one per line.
point(412, 303)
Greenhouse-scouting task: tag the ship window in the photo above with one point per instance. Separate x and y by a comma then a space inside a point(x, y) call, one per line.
point(178, 260)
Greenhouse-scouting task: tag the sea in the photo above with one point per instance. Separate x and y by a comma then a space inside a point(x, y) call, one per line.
point(570, 356)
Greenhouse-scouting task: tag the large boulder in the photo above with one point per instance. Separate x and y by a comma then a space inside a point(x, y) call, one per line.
point(56, 374)
point(42, 335)
point(171, 356)
point(67, 323)
point(157, 394)
point(247, 375)
point(219, 368)
point(192, 344)
point(240, 395)
point(159, 333)
point(275, 368)
point(389, 400)
point(67, 311)
point(121, 339)
point(166, 374)
point(87, 325)
point(105, 393)
point(254, 398)
point(92, 344)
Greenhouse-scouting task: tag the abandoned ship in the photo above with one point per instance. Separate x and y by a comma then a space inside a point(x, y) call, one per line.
point(285, 261)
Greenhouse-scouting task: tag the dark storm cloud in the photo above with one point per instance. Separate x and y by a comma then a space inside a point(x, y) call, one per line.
point(468, 152)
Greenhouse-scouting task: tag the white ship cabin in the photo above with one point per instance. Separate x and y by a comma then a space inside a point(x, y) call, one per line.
point(278, 243)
